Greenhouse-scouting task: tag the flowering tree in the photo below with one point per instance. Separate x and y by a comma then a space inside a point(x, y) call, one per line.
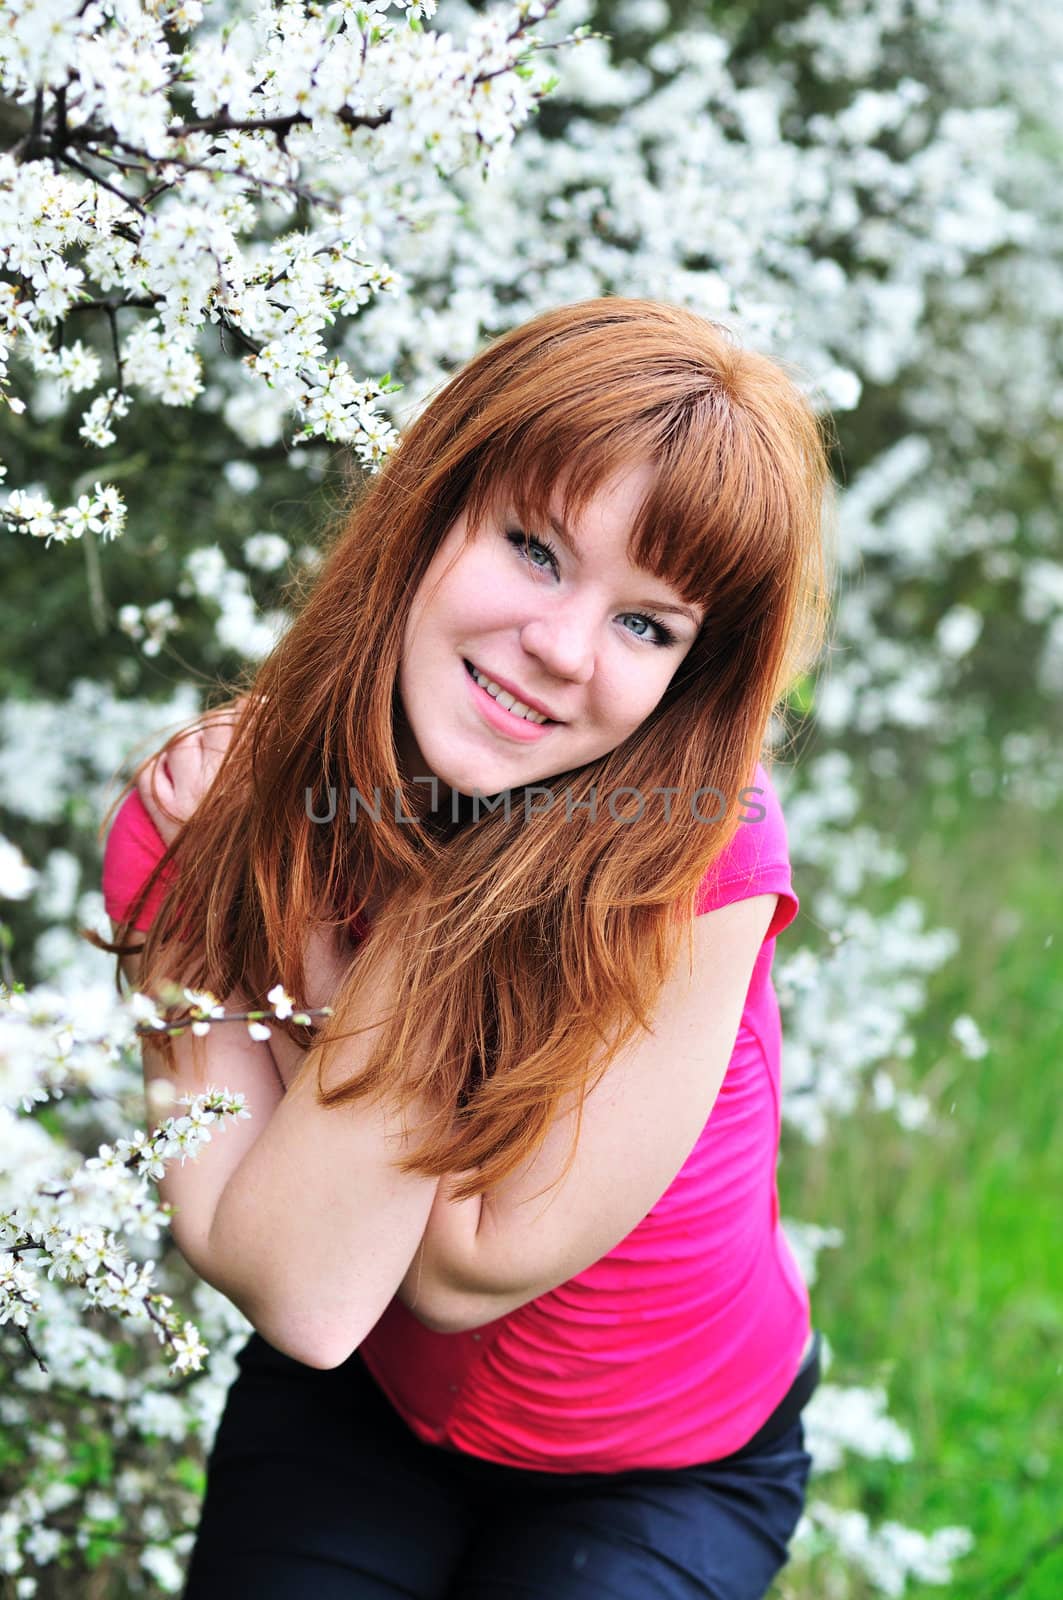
point(164, 188)
point(264, 219)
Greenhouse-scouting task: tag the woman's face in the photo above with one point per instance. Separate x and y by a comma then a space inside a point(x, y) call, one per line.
point(568, 632)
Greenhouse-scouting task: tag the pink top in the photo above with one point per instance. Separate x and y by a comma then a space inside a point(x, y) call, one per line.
point(676, 1346)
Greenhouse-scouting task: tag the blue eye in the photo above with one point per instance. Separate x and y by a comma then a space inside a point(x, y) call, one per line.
point(666, 636)
point(526, 543)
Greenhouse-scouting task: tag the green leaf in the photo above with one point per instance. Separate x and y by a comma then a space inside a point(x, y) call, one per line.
point(100, 1548)
point(92, 1459)
point(190, 1474)
point(52, 1122)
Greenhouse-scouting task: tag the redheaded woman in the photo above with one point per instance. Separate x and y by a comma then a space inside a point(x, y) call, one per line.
point(506, 1225)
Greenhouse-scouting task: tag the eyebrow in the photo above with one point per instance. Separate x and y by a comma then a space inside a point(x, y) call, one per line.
point(656, 605)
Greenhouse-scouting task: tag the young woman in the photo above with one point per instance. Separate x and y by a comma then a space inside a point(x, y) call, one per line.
point(507, 1226)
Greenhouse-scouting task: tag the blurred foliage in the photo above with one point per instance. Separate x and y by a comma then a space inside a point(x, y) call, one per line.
point(61, 605)
point(950, 1257)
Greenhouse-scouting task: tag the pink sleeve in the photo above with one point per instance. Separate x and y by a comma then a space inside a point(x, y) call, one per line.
point(133, 846)
point(757, 861)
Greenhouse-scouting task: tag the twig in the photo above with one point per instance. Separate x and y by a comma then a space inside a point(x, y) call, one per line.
point(94, 575)
point(94, 177)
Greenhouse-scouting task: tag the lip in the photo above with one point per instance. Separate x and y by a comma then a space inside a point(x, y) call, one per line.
point(518, 694)
point(517, 730)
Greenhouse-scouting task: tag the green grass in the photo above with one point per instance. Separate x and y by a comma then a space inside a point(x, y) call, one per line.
point(949, 1286)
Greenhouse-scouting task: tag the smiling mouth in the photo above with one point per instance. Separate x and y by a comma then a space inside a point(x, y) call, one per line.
point(547, 722)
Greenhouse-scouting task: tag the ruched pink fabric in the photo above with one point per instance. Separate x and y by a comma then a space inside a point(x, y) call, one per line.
point(676, 1346)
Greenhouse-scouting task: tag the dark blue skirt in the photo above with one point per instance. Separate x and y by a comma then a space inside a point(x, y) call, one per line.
point(317, 1490)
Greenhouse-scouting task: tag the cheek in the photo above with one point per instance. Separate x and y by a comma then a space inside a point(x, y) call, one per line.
point(658, 678)
point(484, 596)
point(434, 611)
point(444, 589)
point(631, 695)
point(470, 584)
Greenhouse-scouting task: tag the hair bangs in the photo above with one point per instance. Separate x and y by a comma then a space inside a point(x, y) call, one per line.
point(704, 527)
point(710, 526)
point(557, 464)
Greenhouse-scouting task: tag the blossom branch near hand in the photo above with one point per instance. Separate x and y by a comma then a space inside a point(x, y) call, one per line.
point(204, 1011)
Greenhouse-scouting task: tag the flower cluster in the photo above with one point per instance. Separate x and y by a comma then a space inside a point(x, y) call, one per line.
point(119, 208)
point(75, 1221)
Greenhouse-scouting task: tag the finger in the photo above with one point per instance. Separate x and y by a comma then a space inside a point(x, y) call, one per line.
point(212, 759)
point(217, 737)
point(218, 728)
point(172, 785)
point(154, 785)
point(154, 780)
point(187, 771)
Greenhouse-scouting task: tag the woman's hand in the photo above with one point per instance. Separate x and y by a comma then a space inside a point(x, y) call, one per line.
point(171, 786)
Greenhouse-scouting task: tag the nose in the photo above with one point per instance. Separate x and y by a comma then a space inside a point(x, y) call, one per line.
point(563, 641)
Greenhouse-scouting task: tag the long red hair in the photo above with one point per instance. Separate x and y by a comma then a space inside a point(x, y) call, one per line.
point(519, 981)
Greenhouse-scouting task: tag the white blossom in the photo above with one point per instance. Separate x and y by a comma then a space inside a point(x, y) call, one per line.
point(969, 1037)
point(17, 877)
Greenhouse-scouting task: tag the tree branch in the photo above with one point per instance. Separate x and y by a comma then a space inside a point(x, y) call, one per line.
point(281, 126)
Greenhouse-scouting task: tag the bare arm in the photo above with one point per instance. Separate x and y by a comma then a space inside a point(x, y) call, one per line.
point(229, 1058)
point(297, 1214)
point(274, 1236)
point(484, 1257)
point(316, 1227)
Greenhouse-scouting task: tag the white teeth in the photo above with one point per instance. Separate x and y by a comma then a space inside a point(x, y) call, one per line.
point(505, 699)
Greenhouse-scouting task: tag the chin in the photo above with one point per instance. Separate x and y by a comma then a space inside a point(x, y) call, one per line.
point(487, 780)
point(485, 783)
